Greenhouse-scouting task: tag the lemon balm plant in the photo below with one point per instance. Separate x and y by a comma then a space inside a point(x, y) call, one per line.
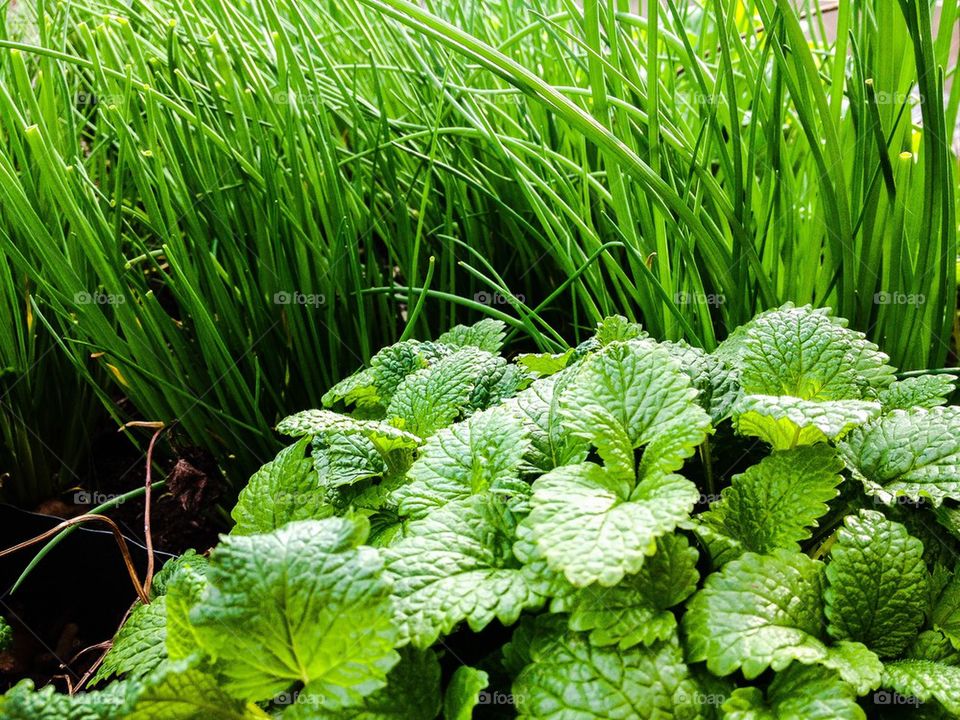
point(545, 508)
point(207, 161)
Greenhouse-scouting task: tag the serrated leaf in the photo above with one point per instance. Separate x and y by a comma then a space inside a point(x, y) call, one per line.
point(139, 647)
point(23, 702)
point(924, 391)
point(481, 454)
point(488, 334)
point(434, 397)
point(912, 453)
point(345, 458)
point(877, 584)
point(633, 394)
point(806, 354)
point(774, 503)
point(616, 328)
point(856, 664)
point(412, 692)
point(319, 422)
point(714, 380)
point(463, 693)
point(301, 604)
point(283, 490)
point(183, 691)
point(570, 679)
point(926, 681)
point(184, 588)
point(544, 364)
point(759, 611)
point(637, 609)
point(785, 421)
point(357, 389)
point(551, 445)
point(592, 526)
point(800, 692)
point(946, 611)
point(457, 565)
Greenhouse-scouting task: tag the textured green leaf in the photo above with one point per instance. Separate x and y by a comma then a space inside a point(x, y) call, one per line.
point(714, 380)
point(637, 609)
point(786, 421)
point(759, 611)
point(182, 691)
point(456, 565)
point(877, 584)
point(544, 364)
point(391, 365)
point(6, 635)
point(488, 334)
point(594, 527)
point(434, 397)
point(946, 611)
point(463, 693)
point(616, 328)
point(551, 445)
point(775, 502)
point(346, 458)
point(924, 391)
point(301, 604)
point(357, 389)
point(926, 681)
point(480, 454)
point(412, 692)
point(283, 490)
point(856, 664)
point(571, 679)
point(22, 702)
point(633, 394)
point(806, 354)
point(911, 453)
point(800, 692)
point(139, 646)
point(184, 588)
point(933, 645)
point(386, 437)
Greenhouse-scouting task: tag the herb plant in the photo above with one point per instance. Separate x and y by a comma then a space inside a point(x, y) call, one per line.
point(565, 514)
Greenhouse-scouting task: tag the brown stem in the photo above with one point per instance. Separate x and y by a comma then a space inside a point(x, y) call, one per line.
point(148, 536)
point(117, 535)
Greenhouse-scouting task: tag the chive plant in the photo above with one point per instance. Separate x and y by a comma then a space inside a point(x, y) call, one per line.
point(223, 208)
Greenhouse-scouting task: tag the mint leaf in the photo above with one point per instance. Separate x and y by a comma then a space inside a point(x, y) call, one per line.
point(301, 604)
point(434, 397)
point(714, 380)
point(186, 583)
point(594, 527)
point(629, 395)
point(637, 609)
point(346, 458)
point(283, 490)
point(488, 334)
point(22, 702)
point(570, 679)
point(774, 503)
point(357, 389)
point(551, 445)
point(946, 611)
point(385, 437)
point(463, 693)
point(481, 454)
point(786, 421)
point(544, 364)
point(856, 664)
point(412, 692)
point(139, 647)
point(912, 453)
point(924, 391)
point(759, 611)
point(183, 691)
point(877, 584)
point(927, 681)
point(456, 565)
point(800, 692)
